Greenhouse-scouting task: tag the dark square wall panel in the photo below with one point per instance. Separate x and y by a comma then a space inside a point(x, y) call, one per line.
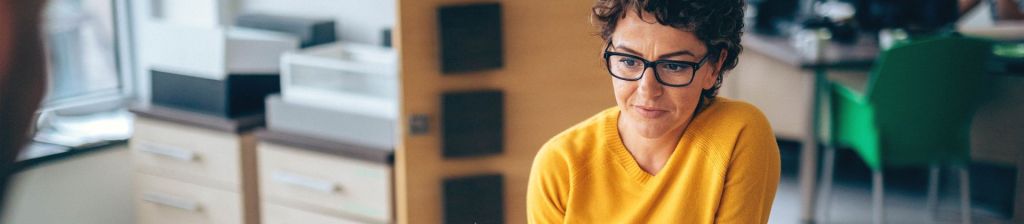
point(472, 123)
point(471, 37)
point(475, 199)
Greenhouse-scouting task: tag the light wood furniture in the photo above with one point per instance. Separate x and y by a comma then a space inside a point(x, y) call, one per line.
point(552, 78)
point(194, 168)
point(323, 181)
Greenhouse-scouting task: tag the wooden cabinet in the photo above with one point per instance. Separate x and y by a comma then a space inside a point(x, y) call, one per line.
point(303, 178)
point(187, 153)
point(166, 200)
point(278, 214)
point(194, 168)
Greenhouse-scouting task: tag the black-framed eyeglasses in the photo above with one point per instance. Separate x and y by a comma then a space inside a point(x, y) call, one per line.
point(668, 72)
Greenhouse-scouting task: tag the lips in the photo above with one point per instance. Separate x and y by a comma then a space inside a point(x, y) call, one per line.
point(649, 112)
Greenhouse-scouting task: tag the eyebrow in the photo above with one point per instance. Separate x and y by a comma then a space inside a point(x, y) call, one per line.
point(664, 56)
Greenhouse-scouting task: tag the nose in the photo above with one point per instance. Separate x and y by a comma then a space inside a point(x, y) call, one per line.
point(648, 85)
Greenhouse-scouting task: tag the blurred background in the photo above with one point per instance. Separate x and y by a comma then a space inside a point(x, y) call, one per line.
point(430, 111)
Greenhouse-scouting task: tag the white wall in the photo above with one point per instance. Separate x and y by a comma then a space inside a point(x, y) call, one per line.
point(357, 20)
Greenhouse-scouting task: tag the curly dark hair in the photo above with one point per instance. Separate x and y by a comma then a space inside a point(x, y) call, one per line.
point(716, 23)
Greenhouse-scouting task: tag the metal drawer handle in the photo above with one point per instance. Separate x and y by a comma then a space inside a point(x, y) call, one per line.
point(171, 201)
point(168, 151)
point(304, 181)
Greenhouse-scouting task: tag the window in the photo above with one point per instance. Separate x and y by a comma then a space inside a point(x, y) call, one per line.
point(81, 38)
point(89, 73)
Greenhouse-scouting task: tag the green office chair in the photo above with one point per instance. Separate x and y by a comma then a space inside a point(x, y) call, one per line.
point(916, 111)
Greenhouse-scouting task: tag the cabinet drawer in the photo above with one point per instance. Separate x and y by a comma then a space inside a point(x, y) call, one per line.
point(186, 153)
point(278, 214)
point(324, 183)
point(163, 200)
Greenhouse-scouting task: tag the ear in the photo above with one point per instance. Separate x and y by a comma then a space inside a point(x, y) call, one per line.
point(710, 79)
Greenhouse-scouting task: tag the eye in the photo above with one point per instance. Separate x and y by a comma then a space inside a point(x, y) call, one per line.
point(629, 62)
point(674, 67)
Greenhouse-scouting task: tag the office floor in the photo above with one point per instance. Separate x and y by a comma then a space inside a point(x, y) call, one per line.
point(904, 193)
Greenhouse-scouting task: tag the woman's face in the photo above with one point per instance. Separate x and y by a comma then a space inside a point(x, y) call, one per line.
point(649, 108)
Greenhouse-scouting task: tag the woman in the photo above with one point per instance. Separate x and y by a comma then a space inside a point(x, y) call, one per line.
point(670, 151)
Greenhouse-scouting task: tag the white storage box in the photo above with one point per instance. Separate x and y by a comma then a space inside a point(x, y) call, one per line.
point(215, 52)
point(321, 122)
point(253, 51)
point(195, 13)
point(349, 77)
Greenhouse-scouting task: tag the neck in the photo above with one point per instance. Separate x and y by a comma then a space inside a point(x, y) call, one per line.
point(650, 153)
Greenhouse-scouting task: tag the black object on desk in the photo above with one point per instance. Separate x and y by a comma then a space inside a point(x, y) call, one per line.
point(235, 96)
point(1006, 66)
point(310, 31)
point(385, 37)
point(917, 16)
point(772, 15)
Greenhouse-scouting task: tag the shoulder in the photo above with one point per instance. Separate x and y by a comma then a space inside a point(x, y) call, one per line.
point(736, 125)
point(732, 113)
point(750, 134)
point(734, 107)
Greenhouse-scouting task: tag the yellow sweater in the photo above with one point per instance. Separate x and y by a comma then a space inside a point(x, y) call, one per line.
point(724, 170)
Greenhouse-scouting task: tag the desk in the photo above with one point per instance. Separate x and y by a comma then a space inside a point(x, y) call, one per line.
point(1001, 135)
point(995, 132)
point(857, 56)
point(998, 127)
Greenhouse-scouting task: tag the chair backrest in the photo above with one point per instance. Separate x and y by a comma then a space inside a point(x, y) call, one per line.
point(924, 94)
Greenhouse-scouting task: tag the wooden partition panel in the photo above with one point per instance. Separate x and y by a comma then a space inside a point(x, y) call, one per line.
point(552, 78)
